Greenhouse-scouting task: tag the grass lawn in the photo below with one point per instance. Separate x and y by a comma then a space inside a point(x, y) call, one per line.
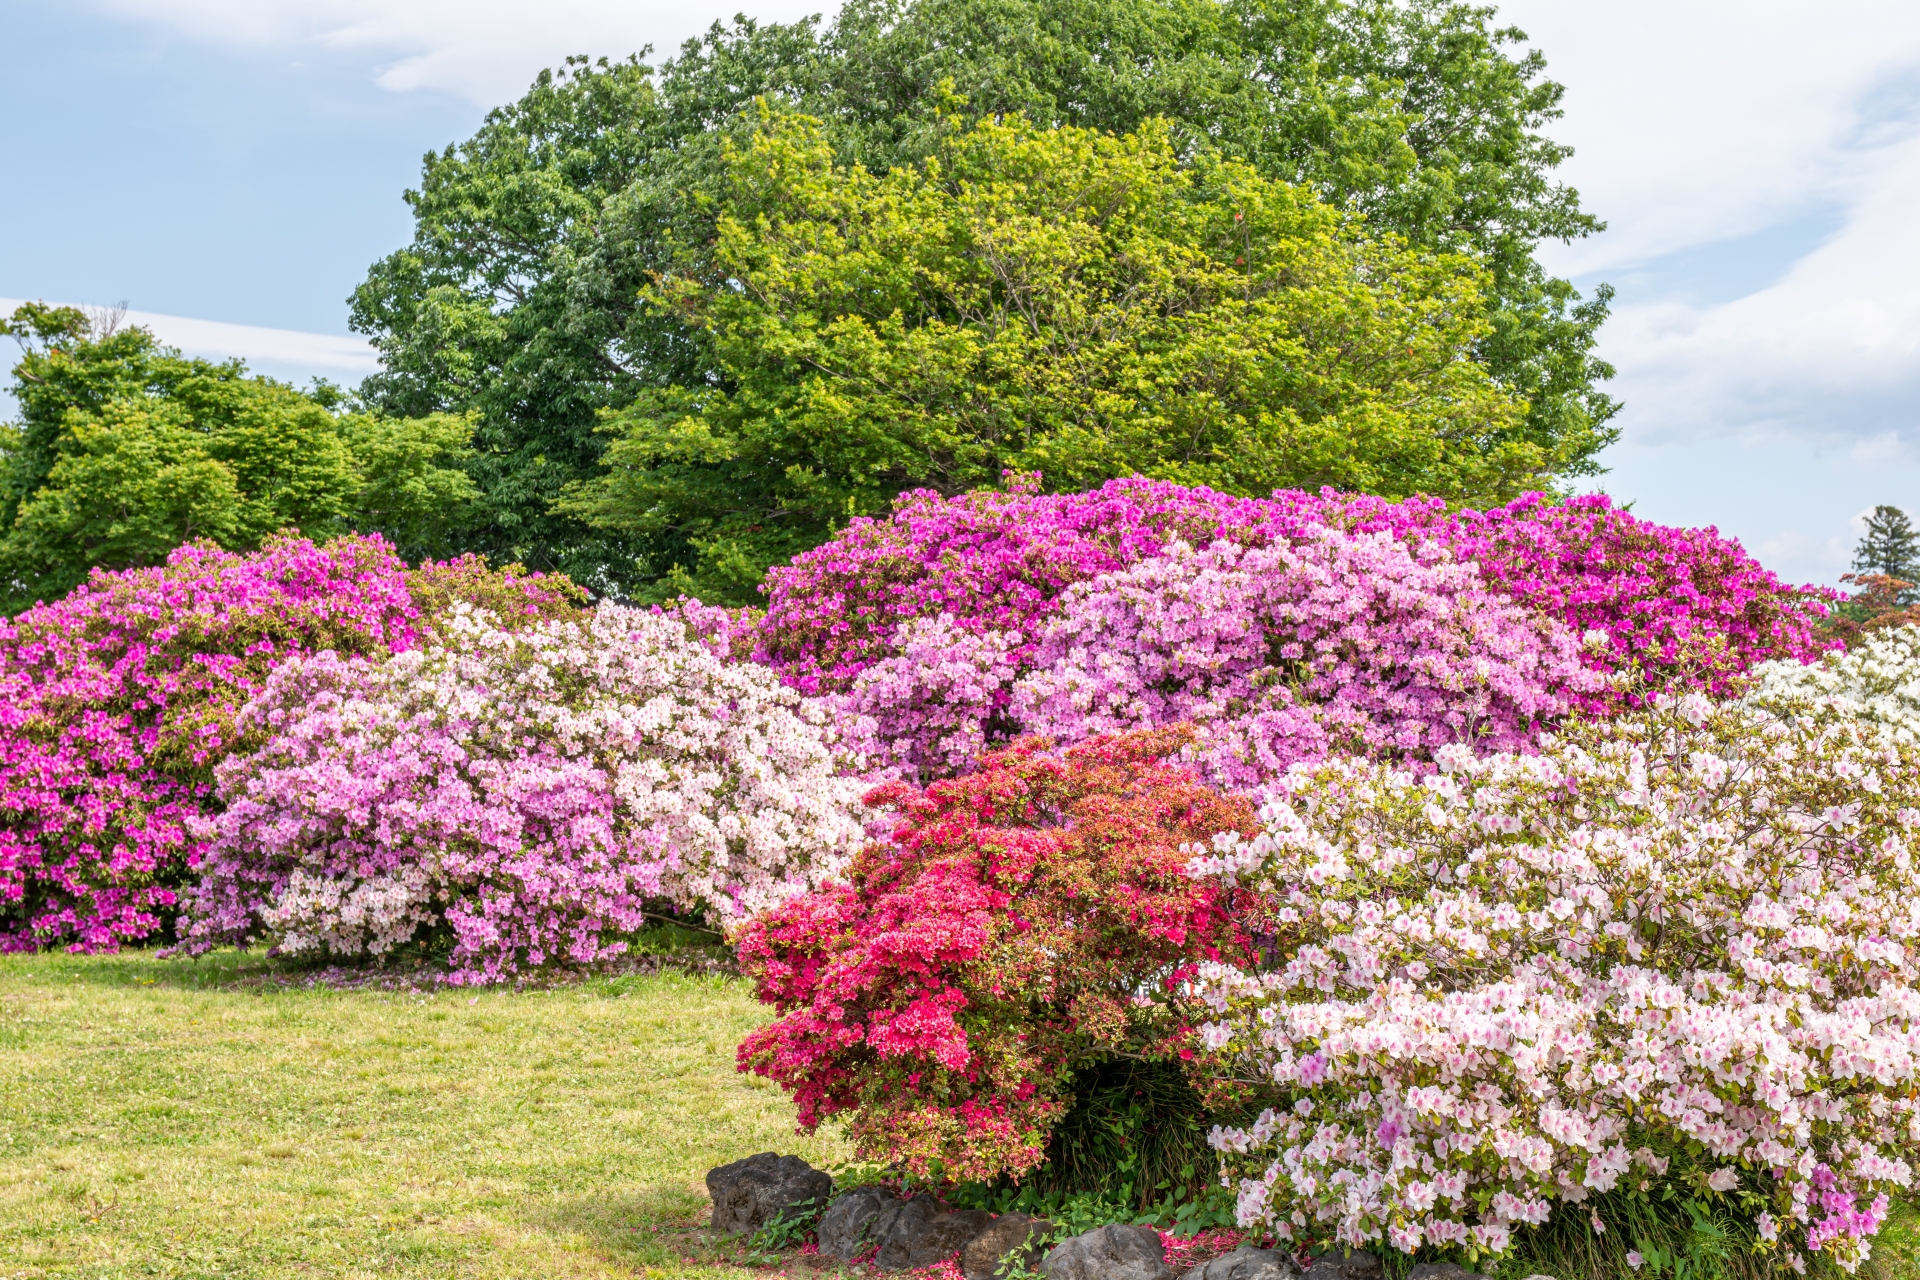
point(180, 1119)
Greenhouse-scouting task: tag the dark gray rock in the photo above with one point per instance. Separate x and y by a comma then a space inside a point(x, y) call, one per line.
point(895, 1228)
point(1009, 1241)
point(750, 1193)
point(1358, 1265)
point(846, 1229)
point(1247, 1263)
point(1110, 1253)
point(945, 1236)
point(1443, 1271)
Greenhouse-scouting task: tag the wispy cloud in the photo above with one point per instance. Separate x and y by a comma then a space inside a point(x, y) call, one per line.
point(483, 50)
point(284, 352)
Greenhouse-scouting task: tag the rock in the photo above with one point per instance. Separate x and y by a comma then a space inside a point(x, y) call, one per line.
point(846, 1229)
point(1010, 1240)
point(1247, 1263)
point(1110, 1253)
point(944, 1237)
point(750, 1193)
point(895, 1228)
point(1358, 1265)
point(1444, 1271)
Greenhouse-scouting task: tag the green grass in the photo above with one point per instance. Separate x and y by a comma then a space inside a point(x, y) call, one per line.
point(185, 1119)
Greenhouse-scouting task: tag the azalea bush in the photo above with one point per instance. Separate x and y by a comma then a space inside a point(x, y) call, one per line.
point(1876, 679)
point(1024, 923)
point(925, 623)
point(1670, 957)
point(532, 791)
point(117, 701)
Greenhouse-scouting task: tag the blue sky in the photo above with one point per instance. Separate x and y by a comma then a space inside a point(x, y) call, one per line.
point(229, 168)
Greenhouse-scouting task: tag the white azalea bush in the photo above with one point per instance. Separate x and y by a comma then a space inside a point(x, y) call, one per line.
point(1677, 947)
point(535, 790)
point(1876, 681)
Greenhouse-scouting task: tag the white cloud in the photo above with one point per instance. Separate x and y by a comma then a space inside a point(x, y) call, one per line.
point(1698, 120)
point(484, 50)
point(284, 352)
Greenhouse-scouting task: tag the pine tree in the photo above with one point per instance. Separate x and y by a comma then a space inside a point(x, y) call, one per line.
point(1891, 546)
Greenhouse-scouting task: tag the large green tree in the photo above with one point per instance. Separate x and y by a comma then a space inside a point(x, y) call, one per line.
point(520, 298)
point(1062, 301)
point(125, 450)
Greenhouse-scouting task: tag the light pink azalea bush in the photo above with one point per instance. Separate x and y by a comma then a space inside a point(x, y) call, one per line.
point(535, 790)
point(1501, 989)
point(1331, 641)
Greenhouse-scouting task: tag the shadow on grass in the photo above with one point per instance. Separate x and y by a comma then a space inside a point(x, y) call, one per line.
point(656, 951)
point(659, 1226)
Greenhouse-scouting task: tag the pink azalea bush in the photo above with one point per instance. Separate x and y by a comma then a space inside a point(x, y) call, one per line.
point(1280, 653)
point(117, 700)
point(918, 619)
point(534, 790)
point(1687, 935)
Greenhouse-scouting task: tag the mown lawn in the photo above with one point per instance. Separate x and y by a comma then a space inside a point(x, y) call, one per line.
point(179, 1119)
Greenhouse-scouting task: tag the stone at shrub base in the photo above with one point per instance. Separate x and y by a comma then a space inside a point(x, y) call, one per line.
point(895, 1228)
point(1444, 1271)
point(750, 1193)
point(1110, 1253)
point(1358, 1265)
point(1247, 1263)
point(1010, 1240)
point(847, 1228)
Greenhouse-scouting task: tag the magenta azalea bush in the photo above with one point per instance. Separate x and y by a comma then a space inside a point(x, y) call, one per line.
point(117, 701)
point(1687, 937)
point(534, 790)
point(960, 623)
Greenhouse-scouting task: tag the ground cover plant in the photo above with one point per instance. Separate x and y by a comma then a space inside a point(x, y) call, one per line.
point(120, 698)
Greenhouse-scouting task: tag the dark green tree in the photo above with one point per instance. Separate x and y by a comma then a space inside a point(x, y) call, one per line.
point(125, 450)
point(1890, 546)
point(519, 298)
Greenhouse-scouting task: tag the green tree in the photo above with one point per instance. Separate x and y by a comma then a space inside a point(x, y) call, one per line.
point(1061, 301)
point(125, 450)
point(1890, 546)
point(520, 298)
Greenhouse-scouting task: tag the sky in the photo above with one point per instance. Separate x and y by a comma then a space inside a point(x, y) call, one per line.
point(229, 168)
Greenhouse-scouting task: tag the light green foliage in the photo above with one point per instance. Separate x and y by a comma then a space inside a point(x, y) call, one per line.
point(180, 1120)
point(520, 297)
point(126, 450)
point(1059, 301)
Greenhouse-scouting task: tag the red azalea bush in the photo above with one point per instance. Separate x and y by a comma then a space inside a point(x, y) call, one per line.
point(117, 700)
point(1028, 920)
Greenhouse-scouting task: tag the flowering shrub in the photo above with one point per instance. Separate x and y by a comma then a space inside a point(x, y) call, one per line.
point(1516, 983)
point(1024, 921)
point(979, 578)
point(1877, 680)
point(1279, 652)
point(533, 789)
point(117, 700)
point(1662, 596)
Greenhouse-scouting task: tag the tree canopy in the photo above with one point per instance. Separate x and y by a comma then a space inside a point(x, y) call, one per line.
point(1057, 301)
point(524, 296)
point(125, 450)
